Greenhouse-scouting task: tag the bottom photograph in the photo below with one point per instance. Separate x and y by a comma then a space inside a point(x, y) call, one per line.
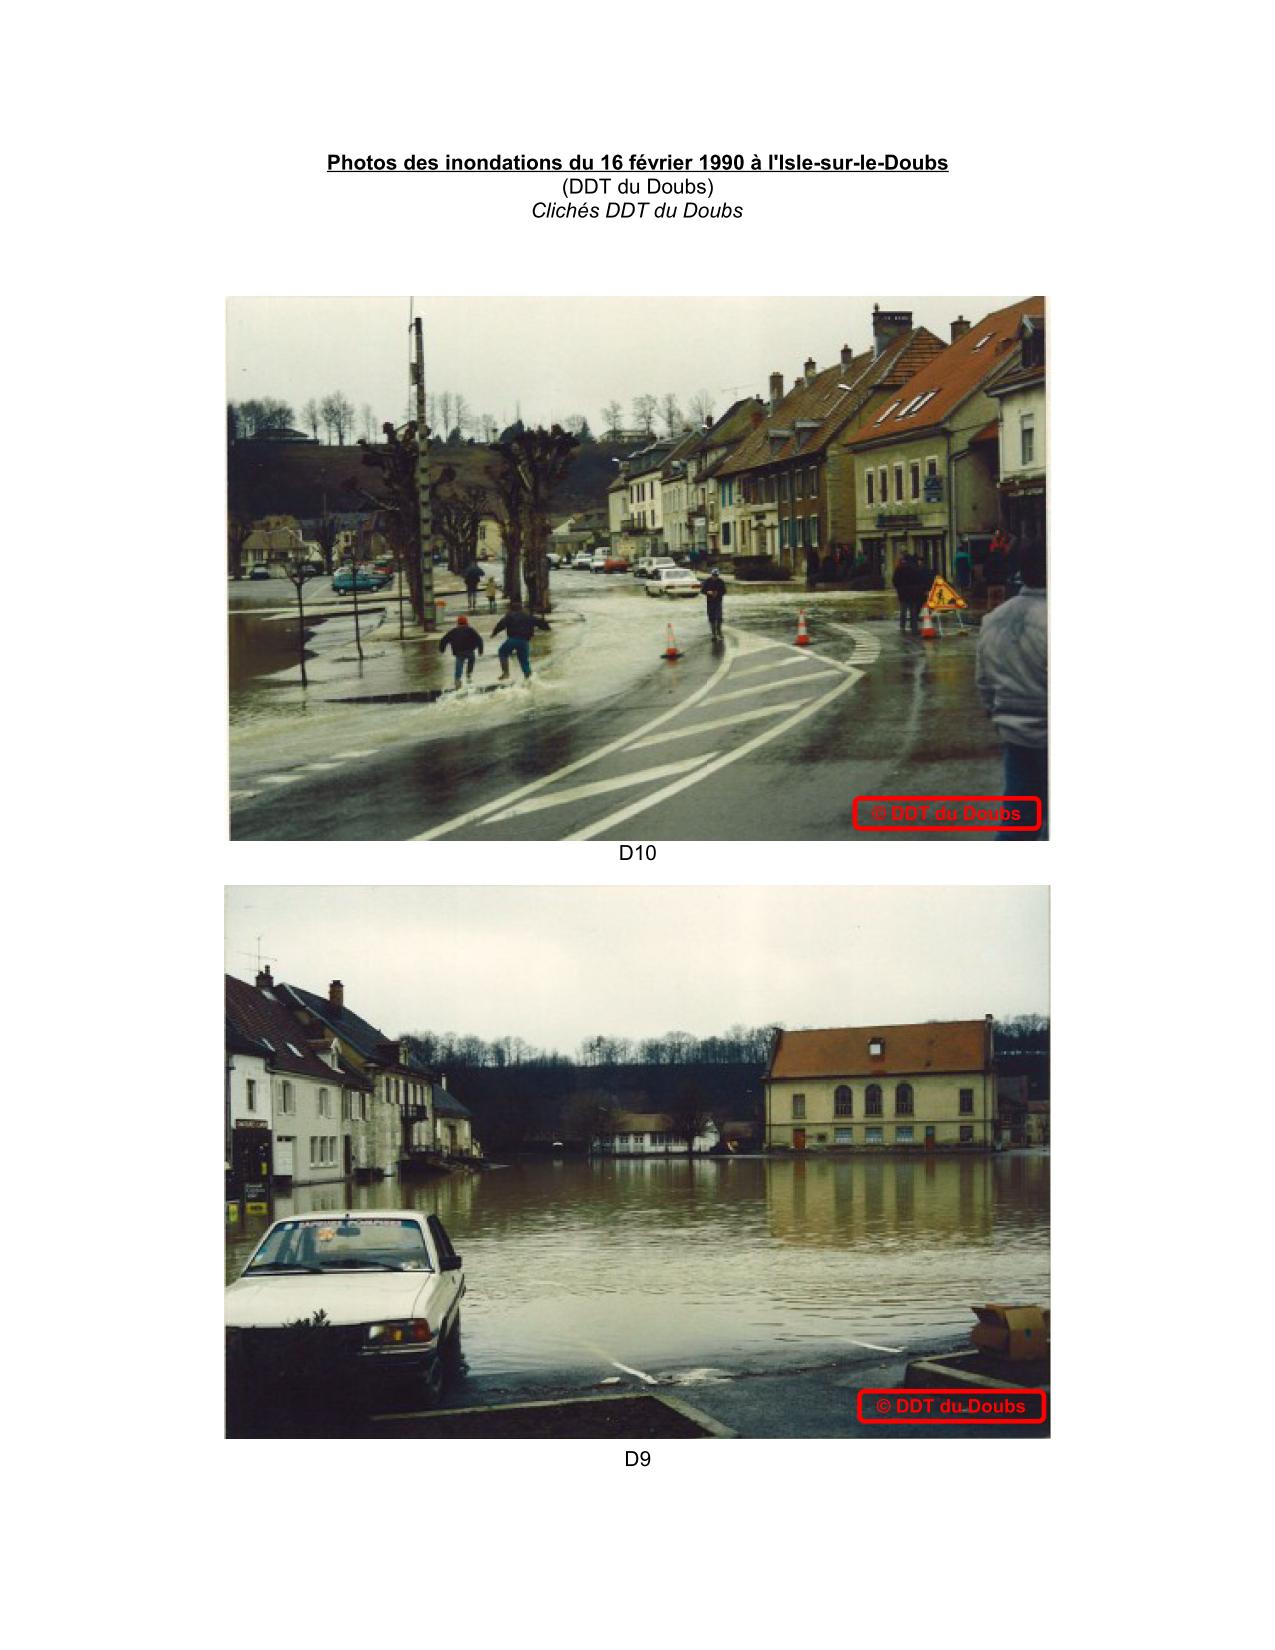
point(637, 1163)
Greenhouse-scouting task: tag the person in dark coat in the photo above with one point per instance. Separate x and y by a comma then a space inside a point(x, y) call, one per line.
point(519, 627)
point(911, 581)
point(812, 569)
point(473, 577)
point(714, 587)
point(466, 644)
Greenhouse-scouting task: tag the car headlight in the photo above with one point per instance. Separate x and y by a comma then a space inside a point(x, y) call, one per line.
point(401, 1332)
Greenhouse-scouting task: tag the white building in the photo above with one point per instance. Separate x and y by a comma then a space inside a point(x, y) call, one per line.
point(652, 1134)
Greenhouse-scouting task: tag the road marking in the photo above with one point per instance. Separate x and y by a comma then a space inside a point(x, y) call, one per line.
point(584, 761)
point(720, 722)
point(319, 767)
point(772, 664)
point(848, 679)
point(865, 643)
point(872, 1345)
point(242, 796)
point(598, 788)
point(761, 687)
point(629, 1370)
point(346, 756)
point(279, 779)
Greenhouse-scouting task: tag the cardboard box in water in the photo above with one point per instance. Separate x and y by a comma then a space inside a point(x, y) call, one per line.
point(1015, 1332)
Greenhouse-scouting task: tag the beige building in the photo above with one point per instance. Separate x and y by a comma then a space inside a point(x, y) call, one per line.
point(907, 1087)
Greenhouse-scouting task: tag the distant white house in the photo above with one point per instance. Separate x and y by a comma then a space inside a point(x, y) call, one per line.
point(651, 1134)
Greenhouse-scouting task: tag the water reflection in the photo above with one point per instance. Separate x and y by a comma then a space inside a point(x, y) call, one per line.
point(667, 1262)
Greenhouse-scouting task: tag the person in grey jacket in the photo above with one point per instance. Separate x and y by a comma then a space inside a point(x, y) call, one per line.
point(1013, 683)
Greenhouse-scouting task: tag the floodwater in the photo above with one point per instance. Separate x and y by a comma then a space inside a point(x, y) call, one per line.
point(721, 1263)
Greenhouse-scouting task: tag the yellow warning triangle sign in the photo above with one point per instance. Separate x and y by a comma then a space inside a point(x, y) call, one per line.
point(942, 597)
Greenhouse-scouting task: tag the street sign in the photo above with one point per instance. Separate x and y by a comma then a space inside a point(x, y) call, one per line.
point(942, 598)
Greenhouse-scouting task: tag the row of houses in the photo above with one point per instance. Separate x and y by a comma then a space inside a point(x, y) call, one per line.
point(916, 445)
point(315, 1093)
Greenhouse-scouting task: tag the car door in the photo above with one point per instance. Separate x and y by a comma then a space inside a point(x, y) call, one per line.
point(451, 1276)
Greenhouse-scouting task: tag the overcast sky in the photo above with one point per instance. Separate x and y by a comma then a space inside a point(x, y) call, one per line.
point(557, 965)
point(550, 357)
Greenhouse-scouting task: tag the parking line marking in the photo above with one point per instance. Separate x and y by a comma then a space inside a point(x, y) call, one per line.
point(720, 722)
point(585, 761)
point(848, 679)
point(599, 787)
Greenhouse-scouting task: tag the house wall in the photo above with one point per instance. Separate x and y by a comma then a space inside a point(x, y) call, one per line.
point(307, 1112)
point(935, 1101)
point(1015, 406)
point(245, 1069)
point(651, 1145)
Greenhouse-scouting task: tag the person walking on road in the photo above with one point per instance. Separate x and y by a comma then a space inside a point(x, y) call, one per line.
point(997, 563)
point(490, 588)
point(473, 577)
point(1011, 675)
point(911, 582)
point(466, 644)
point(519, 626)
point(714, 587)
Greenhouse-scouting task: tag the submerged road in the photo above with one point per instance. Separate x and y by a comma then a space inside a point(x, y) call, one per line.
point(753, 739)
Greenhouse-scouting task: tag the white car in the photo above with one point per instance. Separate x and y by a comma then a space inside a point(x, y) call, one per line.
point(598, 561)
point(584, 561)
point(672, 581)
point(363, 1303)
point(652, 564)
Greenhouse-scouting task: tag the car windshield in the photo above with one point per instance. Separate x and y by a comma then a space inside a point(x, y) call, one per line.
point(342, 1244)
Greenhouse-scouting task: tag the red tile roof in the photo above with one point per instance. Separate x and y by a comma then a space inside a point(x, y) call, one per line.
point(951, 377)
point(260, 1019)
point(909, 1050)
point(823, 401)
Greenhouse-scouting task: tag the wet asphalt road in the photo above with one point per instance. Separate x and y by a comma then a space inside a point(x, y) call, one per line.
point(753, 740)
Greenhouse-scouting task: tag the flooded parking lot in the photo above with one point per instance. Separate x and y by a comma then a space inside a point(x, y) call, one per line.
point(675, 1265)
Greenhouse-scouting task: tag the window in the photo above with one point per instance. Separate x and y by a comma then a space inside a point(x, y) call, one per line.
point(873, 1137)
point(876, 1048)
point(346, 1112)
point(967, 1100)
point(286, 1102)
point(903, 1137)
point(814, 531)
point(1027, 432)
point(315, 1144)
point(931, 469)
point(725, 534)
point(325, 1103)
point(869, 478)
point(914, 481)
point(842, 1102)
point(898, 484)
point(883, 491)
point(251, 1087)
point(843, 1137)
point(872, 1100)
point(894, 405)
point(798, 1108)
point(903, 1100)
point(812, 481)
point(967, 1134)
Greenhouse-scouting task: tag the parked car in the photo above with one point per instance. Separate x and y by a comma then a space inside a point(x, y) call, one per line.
point(584, 560)
point(260, 572)
point(672, 581)
point(360, 1304)
point(615, 564)
point(648, 564)
point(598, 561)
point(347, 579)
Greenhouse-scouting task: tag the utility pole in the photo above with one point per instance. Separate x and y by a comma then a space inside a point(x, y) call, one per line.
point(426, 517)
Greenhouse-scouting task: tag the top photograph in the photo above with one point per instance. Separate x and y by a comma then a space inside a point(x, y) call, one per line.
point(637, 569)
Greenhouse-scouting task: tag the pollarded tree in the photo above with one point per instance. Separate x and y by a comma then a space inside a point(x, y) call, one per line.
point(531, 466)
point(399, 508)
point(458, 515)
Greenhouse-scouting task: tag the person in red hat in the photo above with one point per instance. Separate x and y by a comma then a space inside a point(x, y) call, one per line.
point(466, 644)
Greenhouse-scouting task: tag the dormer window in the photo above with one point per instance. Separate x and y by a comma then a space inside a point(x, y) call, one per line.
point(876, 1047)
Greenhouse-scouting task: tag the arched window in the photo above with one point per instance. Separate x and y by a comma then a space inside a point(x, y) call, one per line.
point(842, 1102)
point(903, 1100)
point(872, 1100)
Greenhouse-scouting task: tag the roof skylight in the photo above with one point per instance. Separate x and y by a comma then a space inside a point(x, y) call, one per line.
point(888, 411)
point(986, 339)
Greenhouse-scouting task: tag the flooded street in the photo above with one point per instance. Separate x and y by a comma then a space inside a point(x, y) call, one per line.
point(679, 1267)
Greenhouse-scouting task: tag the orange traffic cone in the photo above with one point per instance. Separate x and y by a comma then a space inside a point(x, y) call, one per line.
point(803, 635)
point(670, 650)
point(928, 632)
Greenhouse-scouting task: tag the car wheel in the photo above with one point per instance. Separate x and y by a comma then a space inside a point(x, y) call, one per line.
point(435, 1380)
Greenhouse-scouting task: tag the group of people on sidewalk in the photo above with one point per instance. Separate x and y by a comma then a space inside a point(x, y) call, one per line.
point(466, 644)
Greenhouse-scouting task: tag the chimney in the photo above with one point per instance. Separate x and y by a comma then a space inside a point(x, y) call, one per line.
point(336, 997)
point(960, 326)
point(776, 388)
point(847, 355)
point(809, 368)
point(265, 980)
point(887, 325)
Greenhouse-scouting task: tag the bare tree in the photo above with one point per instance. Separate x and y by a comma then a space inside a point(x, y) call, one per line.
point(325, 531)
point(312, 416)
point(690, 1113)
point(369, 423)
point(701, 405)
point(446, 411)
point(458, 516)
point(395, 458)
point(464, 418)
point(296, 569)
point(531, 466)
point(488, 429)
point(611, 416)
point(671, 413)
point(645, 408)
point(338, 416)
